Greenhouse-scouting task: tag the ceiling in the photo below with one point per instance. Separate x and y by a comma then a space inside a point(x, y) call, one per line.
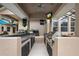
point(38, 10)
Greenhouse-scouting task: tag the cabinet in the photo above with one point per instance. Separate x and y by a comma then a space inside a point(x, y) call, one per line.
point(27, 44)
point(25, 49)
point(49, 49)
point(32, 41)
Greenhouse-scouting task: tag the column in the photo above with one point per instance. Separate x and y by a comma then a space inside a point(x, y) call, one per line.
point(48, 25)
point(5, 27)
point(52, 26)
point(59, 26)
point(69, 24)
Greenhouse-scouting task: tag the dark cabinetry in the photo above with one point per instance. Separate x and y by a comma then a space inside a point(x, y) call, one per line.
point(49, 49)
point(36, 32)
point(25, 49)
point(24, 22)
point(28, 43)
point(32, 41)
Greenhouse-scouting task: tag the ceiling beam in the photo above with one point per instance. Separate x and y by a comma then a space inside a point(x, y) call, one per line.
point(64, 9)
point(11, 16)
point(15, 9)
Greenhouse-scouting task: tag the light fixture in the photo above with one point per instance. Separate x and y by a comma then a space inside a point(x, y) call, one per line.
point(49, 15)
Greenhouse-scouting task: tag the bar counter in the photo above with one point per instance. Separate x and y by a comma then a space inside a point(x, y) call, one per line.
point(16, 45)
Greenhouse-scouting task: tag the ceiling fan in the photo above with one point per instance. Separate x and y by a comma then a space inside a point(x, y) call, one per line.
point(40, 5)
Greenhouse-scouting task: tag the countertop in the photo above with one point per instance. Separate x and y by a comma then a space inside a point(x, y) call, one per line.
point(24, 37)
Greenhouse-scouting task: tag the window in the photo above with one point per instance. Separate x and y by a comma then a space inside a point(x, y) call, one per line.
point(64, 24)
point(2, 28)
point(72, 29)
point(64, 20)
point(55, 29)
point(55, 23)
point(64, 29)
point(8, 29)
point(55, 26)
point(72, 24)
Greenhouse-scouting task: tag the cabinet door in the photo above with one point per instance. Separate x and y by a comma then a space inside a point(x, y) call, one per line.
point(32, 41)
point(25, 49)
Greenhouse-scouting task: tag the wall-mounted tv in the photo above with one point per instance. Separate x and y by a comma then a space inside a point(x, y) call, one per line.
point(42, 22)
point(24, 22)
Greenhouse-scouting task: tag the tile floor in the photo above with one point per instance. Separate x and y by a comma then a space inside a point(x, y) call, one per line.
point(39, 48)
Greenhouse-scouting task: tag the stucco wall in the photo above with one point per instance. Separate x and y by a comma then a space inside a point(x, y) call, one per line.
point(5, 29)
point(21, 27)
point(77, 19)
point(35, 24)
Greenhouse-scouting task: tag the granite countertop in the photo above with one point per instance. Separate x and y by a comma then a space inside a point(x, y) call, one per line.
point(24, 37)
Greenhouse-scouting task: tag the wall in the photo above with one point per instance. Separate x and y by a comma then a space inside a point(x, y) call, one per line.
point(77, 19)
point(20, 26)
point(35, 24)
point(5, 29)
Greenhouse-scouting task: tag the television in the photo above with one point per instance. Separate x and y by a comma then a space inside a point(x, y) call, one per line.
point(42, 22)
point(24, 22)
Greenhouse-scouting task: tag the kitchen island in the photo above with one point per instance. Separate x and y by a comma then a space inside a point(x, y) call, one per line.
point(16, 45)
point(62, 46)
